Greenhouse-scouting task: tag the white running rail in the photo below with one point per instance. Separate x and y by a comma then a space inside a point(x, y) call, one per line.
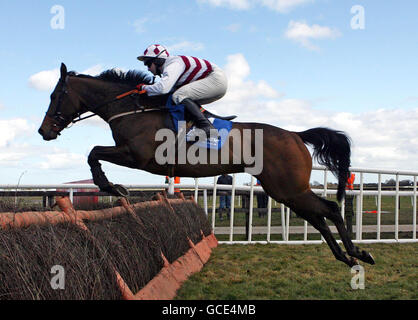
point(285, 228)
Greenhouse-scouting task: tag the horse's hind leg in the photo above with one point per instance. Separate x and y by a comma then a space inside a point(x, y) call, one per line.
point(334, 215)
point(309, 207)
point(316, 208)
point(319, 223)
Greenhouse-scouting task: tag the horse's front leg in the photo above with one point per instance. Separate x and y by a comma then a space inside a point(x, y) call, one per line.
point(119, 155)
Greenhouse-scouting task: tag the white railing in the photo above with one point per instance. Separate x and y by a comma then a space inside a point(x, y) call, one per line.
point(358, 195)
point(285, 228)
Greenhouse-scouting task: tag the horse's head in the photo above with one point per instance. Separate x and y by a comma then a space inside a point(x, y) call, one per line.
point(63, 108)
point(76, 94)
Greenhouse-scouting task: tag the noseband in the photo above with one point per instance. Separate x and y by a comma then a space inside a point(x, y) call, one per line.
point(59, 121)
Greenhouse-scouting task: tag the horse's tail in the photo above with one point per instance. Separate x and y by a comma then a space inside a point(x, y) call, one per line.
point(331, 149)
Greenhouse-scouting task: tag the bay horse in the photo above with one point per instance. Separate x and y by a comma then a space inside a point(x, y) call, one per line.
point(287, 163)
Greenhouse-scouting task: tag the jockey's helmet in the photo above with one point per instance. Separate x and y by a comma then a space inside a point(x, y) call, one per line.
point(154, 53)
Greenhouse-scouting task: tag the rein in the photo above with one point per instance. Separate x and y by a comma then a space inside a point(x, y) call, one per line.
point(119, 97)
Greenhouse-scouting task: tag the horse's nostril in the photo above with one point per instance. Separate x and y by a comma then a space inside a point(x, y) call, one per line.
point(41, 132)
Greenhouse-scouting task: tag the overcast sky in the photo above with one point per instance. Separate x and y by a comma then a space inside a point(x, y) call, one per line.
point(296, 64)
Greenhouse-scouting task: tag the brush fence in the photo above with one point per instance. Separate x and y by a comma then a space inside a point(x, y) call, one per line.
point(141, 251)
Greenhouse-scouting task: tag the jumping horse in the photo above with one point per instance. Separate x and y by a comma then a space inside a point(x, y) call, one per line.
point(287, 163)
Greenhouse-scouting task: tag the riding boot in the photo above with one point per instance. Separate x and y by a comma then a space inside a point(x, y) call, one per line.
point(200, 120)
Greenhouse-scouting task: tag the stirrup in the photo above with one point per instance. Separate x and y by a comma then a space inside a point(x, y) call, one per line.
point(193, 133)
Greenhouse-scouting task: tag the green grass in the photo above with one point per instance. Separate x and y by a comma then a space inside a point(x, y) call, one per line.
point(281, 272)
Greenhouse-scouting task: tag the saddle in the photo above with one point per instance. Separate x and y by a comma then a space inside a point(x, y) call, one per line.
point(176, 113)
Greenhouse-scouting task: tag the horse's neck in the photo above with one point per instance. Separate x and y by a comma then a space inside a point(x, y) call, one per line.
point(91, 92)
point(96, 92)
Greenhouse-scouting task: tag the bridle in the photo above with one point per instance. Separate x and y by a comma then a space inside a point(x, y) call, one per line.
point(60, 122)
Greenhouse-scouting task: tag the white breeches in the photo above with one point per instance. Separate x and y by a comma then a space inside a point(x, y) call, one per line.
point(204, 91)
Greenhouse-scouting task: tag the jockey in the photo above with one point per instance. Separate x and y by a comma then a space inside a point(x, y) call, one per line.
point(190, 79)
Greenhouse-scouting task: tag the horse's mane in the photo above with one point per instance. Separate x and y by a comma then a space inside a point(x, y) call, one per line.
point(131, 77)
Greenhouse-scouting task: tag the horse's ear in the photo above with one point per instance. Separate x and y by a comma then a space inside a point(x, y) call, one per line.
point(63, 71)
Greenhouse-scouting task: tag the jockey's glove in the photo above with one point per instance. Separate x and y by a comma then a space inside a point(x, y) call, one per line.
point(141, 88)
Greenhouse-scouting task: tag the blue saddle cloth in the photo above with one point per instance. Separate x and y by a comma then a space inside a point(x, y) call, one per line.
point(223, 126)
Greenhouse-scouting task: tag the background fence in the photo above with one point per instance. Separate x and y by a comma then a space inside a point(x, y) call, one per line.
point(372, 215)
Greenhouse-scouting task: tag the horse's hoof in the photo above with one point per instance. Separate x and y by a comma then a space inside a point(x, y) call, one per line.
point(367, 257)
point(353, 262)
point(121, 190)
point(117, 190)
